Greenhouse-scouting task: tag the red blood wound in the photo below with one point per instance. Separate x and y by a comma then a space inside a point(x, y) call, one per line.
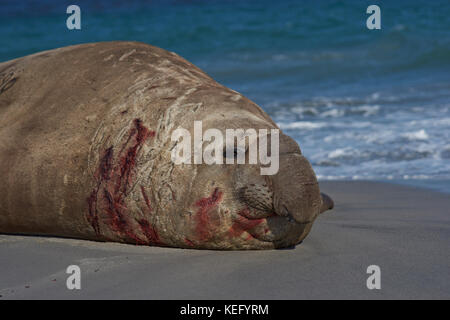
point(202, 218)
point(149, 232)
point(105, 167)
point(92, 213)
point(127, 162)
point(114, 175)
point(102, 173)
point(147, 201)
point(242, 224)
point(188, 242)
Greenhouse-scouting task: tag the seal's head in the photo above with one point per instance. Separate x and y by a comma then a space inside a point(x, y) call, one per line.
point(239, 205)
point(141, 195)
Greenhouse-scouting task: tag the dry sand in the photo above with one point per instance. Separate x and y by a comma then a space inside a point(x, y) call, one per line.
point(404, 230)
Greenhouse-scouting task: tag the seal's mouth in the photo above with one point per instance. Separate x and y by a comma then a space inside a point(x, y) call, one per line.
point(263, 220)
point(270, 226)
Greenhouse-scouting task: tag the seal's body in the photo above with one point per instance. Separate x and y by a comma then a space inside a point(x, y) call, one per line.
point(85, 152)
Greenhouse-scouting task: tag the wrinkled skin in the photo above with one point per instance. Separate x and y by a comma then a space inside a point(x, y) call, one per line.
point(85, 152)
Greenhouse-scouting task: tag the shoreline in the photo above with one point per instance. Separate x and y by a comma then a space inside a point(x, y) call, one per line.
point(442, 186)
point(437, 185)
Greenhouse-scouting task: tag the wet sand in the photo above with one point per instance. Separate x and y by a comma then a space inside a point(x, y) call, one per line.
point(403, 230)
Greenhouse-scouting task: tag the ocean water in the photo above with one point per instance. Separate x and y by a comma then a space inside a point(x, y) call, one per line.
point(362, 104)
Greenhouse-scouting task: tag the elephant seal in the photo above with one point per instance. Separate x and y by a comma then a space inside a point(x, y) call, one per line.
point(85, 140)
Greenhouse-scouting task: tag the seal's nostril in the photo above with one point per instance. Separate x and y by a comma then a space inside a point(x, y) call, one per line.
point(284, 212)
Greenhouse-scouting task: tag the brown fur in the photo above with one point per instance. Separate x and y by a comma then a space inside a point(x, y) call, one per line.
point(85, 153)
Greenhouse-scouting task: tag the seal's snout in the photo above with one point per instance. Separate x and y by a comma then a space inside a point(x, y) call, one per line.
point(296, 191)
point(327, 203)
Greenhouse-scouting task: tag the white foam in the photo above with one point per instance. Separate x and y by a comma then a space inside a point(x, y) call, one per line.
point(417, 135)
point(367, 110)
point(302, 125)
point(304, 110)
point(341, 152)
point(334, 113)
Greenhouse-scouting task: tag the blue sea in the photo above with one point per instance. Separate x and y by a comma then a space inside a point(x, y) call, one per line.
point(362, 104)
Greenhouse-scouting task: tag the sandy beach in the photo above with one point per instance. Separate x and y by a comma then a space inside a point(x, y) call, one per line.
point(403, 230)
